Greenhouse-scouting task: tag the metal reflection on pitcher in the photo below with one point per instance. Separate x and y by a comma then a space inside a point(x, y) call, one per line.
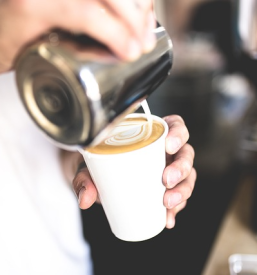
point(75, 89)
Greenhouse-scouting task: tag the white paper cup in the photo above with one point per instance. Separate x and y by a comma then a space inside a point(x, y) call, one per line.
point(130, 188)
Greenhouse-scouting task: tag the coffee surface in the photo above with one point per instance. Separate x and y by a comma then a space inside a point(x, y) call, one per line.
point(129, 135)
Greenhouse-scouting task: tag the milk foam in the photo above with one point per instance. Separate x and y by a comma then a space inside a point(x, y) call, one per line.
point(130, 132)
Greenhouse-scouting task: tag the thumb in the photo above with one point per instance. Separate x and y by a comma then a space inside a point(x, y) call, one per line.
point(84, 189)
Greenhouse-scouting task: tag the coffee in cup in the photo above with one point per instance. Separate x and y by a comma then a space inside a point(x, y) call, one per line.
point(131, 134)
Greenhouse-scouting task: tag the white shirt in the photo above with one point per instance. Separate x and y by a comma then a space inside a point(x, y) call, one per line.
point(40, 222)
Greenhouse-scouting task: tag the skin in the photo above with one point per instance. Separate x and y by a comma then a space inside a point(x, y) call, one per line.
point(126, 28)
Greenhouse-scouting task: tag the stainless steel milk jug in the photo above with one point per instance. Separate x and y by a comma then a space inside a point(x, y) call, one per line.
point(75, 89)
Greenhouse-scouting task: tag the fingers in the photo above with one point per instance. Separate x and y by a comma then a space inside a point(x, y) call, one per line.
point(180, 167)
point(120, 25)
point(179, 176)
point(84, 188)
point(181, 192)
point(175, 199)
point(123, 26)
point(139, 17)
point(178, 133)
point(171, 214)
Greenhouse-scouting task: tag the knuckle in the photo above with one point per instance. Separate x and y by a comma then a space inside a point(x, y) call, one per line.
point(194, 174)
point(174, 119)
point(178, 118)
point(188, 191)
point(190, 149)
point(186, 166)
point(192, 179)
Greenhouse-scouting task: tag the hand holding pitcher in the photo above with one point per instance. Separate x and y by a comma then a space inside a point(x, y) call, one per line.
point(133, 21)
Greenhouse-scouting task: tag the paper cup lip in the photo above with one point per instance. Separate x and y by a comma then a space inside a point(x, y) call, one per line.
point(159, 119)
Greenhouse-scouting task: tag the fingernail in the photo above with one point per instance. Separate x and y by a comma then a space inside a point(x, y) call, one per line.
point(173, 144)
point(134, 50)
point(173, 177)
point(174, 200)
point(81, 191)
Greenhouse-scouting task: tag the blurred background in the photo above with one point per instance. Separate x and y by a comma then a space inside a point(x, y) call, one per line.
point(212, 85)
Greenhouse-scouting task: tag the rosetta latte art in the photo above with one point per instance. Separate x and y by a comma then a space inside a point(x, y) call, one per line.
point(131, 134)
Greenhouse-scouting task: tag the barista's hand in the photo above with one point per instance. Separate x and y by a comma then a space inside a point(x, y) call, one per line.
point(179, 176)
point(124, 26)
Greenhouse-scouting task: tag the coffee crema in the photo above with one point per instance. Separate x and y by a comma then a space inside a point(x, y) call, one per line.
point(131, 134)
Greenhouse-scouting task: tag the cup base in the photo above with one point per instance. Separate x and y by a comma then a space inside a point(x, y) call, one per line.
point(140, 238)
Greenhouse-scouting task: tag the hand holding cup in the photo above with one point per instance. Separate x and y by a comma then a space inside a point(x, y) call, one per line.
point(178, 177)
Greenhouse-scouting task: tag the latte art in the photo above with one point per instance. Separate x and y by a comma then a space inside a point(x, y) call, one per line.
point(128, 132)
point(131, 134)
